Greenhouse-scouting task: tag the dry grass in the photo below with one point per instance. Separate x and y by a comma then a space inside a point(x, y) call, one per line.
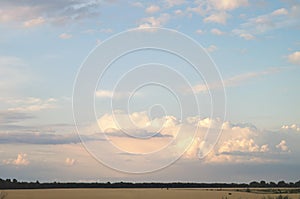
point(135, 193)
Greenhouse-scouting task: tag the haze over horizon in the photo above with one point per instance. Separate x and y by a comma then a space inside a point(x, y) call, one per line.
point(254, 45)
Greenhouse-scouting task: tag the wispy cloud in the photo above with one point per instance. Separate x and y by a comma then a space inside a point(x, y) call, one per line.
point(235, 80)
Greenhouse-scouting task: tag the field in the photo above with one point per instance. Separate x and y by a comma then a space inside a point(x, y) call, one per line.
point(136, 193)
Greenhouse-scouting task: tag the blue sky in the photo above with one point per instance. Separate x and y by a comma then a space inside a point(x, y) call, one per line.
point(255, 45)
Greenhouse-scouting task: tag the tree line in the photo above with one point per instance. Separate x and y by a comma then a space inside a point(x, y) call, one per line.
point(15, 184)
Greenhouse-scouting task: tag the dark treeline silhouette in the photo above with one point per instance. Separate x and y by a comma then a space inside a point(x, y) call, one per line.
point(14, 184)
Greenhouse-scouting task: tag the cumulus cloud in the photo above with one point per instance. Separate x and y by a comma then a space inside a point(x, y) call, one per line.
point(282, 146)
point(294, 58)
point(65, 36)
point(150, 22)
point(212, 48)
point(152, 9)
point(21, 160)
point(228, 4)
point(220, 17)
point(171, 3)
point(294, 127)
point(216, 31)
point(70, 161)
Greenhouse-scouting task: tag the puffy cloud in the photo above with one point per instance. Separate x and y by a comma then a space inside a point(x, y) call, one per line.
point(228, 4)
point(216, 31)
point(171, 3)
point(154, 21)
point(294, 58)
point(21, 160)
point(212, 48)
point(152, 9)
point(220, 17)
point(70, 161)
point(34, 22)
point(283, 146)
point(247, 36)
point(199, 31)
point(65, 36)
point(281, 11)
point(291, 127)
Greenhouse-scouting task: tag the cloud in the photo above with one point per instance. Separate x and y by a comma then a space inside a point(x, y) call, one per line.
point(277, 19)
point(30, 12)
point(247, 36)
point(294, 58)
point(32, 104)
point(65, 36)
point(212, 48)
point(70, 161)
point(7, 117)
point(21, 160)
point(150, 22)
point(282, 146)
point(200, 32)
point(113, 94)
point(281, 11)
point(152, 9)
point(172, 3)
point(291, 127)
point(216, 31)
point(235, 80)
point(228, 4)
point(137, 4)
point(34, 22)
point(220, 18)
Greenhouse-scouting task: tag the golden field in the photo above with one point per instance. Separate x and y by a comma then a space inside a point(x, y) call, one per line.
point(135, 193)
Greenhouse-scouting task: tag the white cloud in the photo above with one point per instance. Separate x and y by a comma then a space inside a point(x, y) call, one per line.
point(114, 94)
point(137, 4)
point(178, 12)
point(235, 80)
point(199, 31)
point(31, 104)
point(281, 11)
point(212, 48)
point(247, 36)
point(220, 17)
point(65, 36)
point(21, 160)
point(228, 4)
point(283, 146)
point(171, 3)
point(294, 58)
point(154, 22)
point(152, 9)
point(291, 127)
point(216, 31)
point(70, 161)
point(34, 22)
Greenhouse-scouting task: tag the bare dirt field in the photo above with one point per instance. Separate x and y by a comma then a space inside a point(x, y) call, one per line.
point(136, 193)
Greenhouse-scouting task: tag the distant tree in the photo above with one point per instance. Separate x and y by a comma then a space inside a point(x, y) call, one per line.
point(263, 183)
point(15, 181)
point(281, 184)
point(254, 184)
point(272, 184)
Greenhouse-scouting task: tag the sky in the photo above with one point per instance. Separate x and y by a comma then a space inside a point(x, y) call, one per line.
point(231, 114)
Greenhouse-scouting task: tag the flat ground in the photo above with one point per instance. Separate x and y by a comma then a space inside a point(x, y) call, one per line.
point(135, 193)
